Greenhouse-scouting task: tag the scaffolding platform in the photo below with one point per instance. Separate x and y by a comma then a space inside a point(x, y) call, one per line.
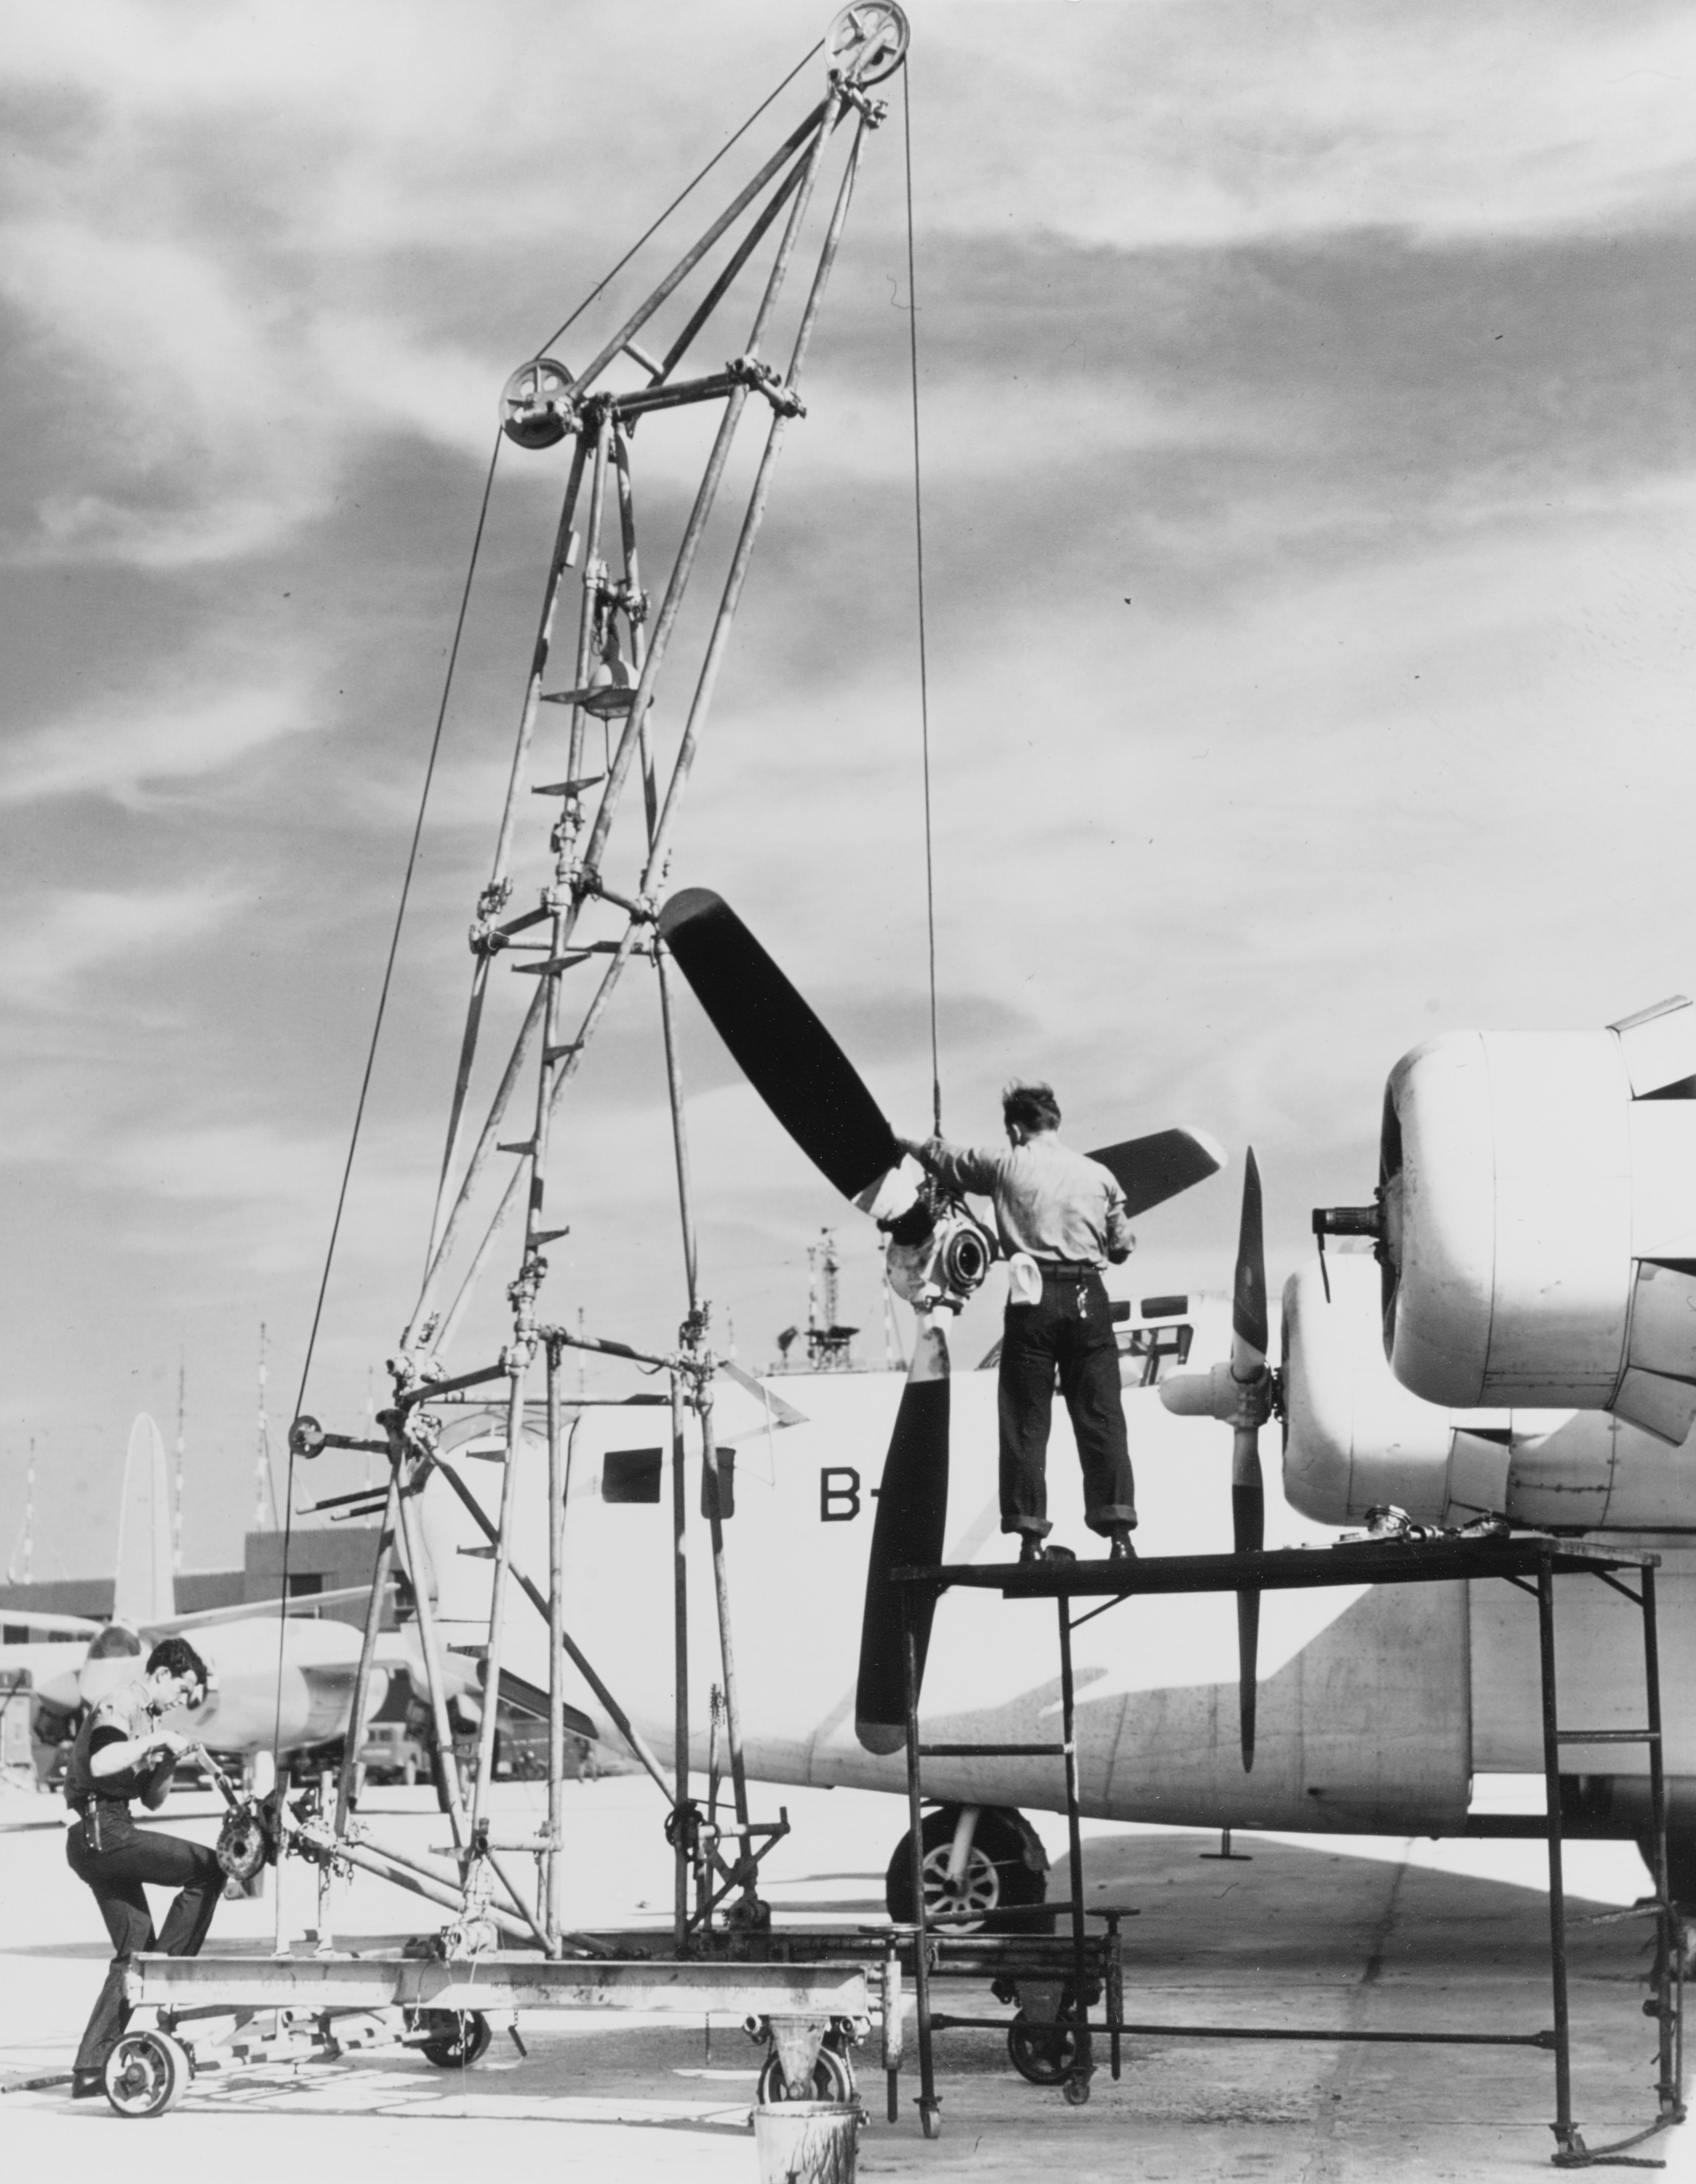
point(1530, 1562)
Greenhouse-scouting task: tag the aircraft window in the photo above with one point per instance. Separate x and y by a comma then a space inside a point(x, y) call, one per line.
point(115, 1643)
point(1160, 1348)
point(631, 1475)
point(726, 1485)
point(303, 1584)
point(14, 1633)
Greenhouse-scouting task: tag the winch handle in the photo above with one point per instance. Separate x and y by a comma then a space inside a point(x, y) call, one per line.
point(232, 1796)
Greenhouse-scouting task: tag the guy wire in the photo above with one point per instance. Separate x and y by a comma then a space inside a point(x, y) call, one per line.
point(728, 145)
point(923, 661)
point(366, 1082)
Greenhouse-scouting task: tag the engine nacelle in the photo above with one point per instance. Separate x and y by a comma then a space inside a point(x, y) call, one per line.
point(1355, 1437)
point(1538, 1220)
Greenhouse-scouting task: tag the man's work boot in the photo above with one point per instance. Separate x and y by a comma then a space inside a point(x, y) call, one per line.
point(87, 2085)
point(1119, 1547)
point(1031, 1548)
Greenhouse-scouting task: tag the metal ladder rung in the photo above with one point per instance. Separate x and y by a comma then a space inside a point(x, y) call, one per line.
point(1607, 1736)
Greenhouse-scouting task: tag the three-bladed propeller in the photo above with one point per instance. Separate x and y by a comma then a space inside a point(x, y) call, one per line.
point(811, 1086)
point(1241, 1395)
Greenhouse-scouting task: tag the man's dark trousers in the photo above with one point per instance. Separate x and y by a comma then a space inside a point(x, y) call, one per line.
point(1070, 1327)
point(115, 1873)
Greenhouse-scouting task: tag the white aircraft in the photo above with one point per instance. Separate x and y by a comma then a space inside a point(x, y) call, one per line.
point(241, 1645)
point(1360, 1709)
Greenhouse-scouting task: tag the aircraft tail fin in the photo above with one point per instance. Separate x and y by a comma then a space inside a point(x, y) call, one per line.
point(144, 1589)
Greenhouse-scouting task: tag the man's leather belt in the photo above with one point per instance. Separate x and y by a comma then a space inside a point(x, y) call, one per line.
point(1068, 1270)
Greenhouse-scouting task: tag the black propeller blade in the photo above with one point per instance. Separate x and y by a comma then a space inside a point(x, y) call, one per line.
point(1151, 1170)
point(781, 1047)
point(912, 1515)
point(814, 1090)
point(1248, 1345)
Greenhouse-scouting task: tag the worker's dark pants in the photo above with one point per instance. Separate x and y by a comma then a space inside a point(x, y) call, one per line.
point(129, 1857)
point(1068, 1328)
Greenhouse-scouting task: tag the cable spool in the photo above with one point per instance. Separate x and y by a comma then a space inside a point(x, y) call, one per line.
point(536, 406)
point(243, 1845)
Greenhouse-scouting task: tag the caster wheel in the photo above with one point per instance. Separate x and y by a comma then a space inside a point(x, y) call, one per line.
point(1043, 2052)
point(458, 2038)
point(832, 2079)
point(1076, 2090)
point(929, 2119)
point(146, 2074)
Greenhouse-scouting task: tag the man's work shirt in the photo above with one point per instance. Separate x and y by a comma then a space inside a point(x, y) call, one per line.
point(120, 1715)
point(1048, 1200)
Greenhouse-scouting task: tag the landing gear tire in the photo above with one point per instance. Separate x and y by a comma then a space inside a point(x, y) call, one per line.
point(458, 2037)
point(832, 2079)
point(997, 1878)
point(1044, 2051)
point(146, 2074)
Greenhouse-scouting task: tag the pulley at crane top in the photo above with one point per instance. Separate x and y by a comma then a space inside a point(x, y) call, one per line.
point(536, 406)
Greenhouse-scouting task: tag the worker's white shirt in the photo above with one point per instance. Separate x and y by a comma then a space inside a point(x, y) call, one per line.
point(1048, 1200)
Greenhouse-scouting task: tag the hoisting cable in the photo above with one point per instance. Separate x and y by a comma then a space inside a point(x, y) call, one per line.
point(366, 1081)
point(728, 145)
point(923, 660)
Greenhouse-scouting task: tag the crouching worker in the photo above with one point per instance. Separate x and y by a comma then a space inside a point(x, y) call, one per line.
point(121, 1752)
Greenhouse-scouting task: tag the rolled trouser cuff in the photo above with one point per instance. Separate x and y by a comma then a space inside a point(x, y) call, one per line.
point(1035, 1527)
point(1118, 1516)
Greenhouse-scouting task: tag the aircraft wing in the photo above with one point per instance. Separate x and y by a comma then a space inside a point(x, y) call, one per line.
point(779, 1413)
point(528, 1699)
point(33, 1618)
point(1151, 1170)
point(248, 1611)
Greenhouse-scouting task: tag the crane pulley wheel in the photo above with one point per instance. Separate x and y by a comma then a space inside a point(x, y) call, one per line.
point(866, 42)
point(536, 406)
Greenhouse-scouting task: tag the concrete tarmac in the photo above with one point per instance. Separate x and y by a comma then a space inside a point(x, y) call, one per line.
point(1325, 1934)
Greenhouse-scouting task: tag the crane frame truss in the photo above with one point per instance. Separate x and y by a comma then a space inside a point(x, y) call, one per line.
point(617, 665)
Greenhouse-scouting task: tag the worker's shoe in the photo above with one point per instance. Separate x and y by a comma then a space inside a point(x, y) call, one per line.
point(1120, 1548)
point(1032, 1547)
point(87, 2085)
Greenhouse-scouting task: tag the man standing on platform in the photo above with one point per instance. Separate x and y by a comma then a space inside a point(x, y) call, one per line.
point(1061, 1217)
point(121, 1752)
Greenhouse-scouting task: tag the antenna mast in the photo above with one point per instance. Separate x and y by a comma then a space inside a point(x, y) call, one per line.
point(265, 1482)
point(176, 1510)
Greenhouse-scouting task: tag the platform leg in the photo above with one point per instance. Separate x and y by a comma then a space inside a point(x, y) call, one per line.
point(1669, 2089)
point(1084, 2066)
point(1566, 2138)
point(929, 2107)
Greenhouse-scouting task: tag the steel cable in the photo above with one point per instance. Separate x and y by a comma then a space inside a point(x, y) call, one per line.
point(648, 233)
point(923, 658)
point(365, 1080)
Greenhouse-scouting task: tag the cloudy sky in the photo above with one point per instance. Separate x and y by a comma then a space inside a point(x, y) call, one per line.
point(1309, 482)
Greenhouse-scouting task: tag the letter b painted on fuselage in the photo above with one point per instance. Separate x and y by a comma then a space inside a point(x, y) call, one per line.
point(838, 1494)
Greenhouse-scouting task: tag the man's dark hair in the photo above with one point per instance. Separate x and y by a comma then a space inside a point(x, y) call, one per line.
point(177, 1657)
point(1032, 1106)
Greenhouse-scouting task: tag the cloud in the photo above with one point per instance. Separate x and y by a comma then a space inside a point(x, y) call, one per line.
point(118, 752)
point(57, 938)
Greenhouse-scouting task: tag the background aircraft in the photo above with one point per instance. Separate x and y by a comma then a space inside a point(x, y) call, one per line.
point(241, 1645)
